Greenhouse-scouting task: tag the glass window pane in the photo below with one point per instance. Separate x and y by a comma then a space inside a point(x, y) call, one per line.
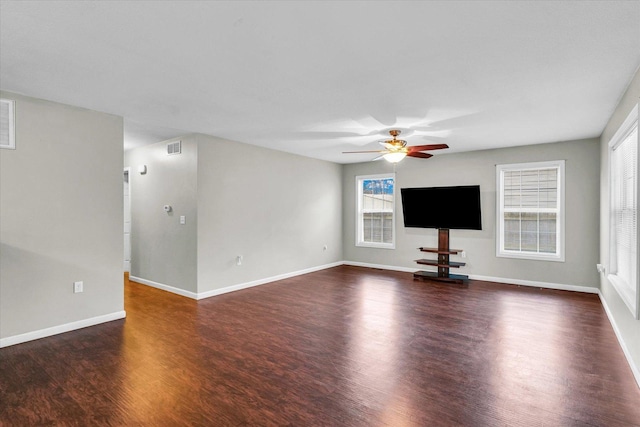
point(548, 188)
point(377, 194)
point(548, 232)
point(512, 189)
point(367, 227)
point(512, 231)
point(367, 202)
point(529, 227)
point(387, 231)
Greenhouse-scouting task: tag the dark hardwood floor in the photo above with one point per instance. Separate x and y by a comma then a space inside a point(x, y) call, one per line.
point(346, 346)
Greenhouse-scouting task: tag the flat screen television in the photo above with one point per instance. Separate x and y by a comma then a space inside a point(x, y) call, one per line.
point(442, 207)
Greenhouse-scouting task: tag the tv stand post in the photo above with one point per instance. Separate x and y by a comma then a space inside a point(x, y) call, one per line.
point(443, 263)
point(443, 256)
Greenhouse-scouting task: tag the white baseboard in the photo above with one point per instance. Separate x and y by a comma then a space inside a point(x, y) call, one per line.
point(240, 286)
point(164, 287)
point(532, 283)
point(380, 266)
point(634, 369)
point(535, 284)
point(227, 289)
point(67, 327)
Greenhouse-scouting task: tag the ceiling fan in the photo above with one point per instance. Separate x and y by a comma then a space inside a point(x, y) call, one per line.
point(396, 149)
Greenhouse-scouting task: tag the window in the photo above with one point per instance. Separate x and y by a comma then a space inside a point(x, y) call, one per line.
point(531, 210)
point(7, 124)
point(375, 211)
point(623, 206)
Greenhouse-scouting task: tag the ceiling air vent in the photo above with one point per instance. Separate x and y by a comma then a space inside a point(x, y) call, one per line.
point(174, 147)
point(7, 124)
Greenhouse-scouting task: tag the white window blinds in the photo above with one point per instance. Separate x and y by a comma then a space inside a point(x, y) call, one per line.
point(624, 212)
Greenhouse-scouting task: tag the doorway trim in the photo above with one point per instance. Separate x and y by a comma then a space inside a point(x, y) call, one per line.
point(127, 236)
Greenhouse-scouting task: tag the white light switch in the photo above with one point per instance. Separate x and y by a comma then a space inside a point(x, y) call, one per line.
point(183, 219)
point(77, 287)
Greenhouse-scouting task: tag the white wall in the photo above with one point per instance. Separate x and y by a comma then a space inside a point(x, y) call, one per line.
point(61, 218)
point(275, 209)
point(478, 167)
point(627, 327)
point(163, 250)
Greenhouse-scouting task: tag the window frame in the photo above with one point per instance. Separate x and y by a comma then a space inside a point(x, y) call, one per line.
point(11, 116)
point(559, 256)
point(625, 290)
point(359, 212)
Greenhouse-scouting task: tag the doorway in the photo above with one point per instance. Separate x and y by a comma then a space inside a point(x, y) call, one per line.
point(127, 220)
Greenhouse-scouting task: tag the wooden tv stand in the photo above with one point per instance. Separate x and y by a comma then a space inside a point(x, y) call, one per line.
point(442, 263)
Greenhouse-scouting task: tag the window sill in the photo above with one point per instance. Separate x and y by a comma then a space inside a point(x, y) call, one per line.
point(376, 245)
point(531, 256)
point(625, 292)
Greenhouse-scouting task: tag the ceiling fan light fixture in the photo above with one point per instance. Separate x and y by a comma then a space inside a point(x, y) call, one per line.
point(396, 149)
point(395, 157)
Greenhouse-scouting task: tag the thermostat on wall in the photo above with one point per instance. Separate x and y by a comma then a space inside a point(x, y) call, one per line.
point(167, 208)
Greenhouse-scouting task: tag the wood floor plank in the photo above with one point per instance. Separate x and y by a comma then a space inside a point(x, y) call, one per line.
point(346, 346)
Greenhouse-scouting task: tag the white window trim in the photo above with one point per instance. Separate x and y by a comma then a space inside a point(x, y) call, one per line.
point(359, 222)
point(11, 104)
point(631, 301)
point(560, 235)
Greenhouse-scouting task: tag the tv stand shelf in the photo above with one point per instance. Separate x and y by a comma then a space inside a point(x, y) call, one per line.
point(442, 262)
point(438, 251)
point(437, 263)
point(432, 275)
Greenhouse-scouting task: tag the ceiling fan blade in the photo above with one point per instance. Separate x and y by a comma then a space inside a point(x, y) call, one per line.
point(429, 147)
point(378, 158)
point(419, 155)
point(355, 152)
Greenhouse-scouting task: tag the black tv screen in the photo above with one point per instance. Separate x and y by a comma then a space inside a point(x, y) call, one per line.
point(442, 207)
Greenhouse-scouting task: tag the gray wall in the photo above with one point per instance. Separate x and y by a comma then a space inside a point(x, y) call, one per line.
point(163, 250)
point(582, 212)
point(275, 209)
point(628, 327)
point(61, 217)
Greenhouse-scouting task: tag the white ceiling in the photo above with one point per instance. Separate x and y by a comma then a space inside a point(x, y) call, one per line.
point(319, 78)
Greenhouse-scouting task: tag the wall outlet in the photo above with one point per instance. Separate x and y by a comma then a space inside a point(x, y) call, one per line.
point(463, 254)
point(78, 287)
point(183, 219)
